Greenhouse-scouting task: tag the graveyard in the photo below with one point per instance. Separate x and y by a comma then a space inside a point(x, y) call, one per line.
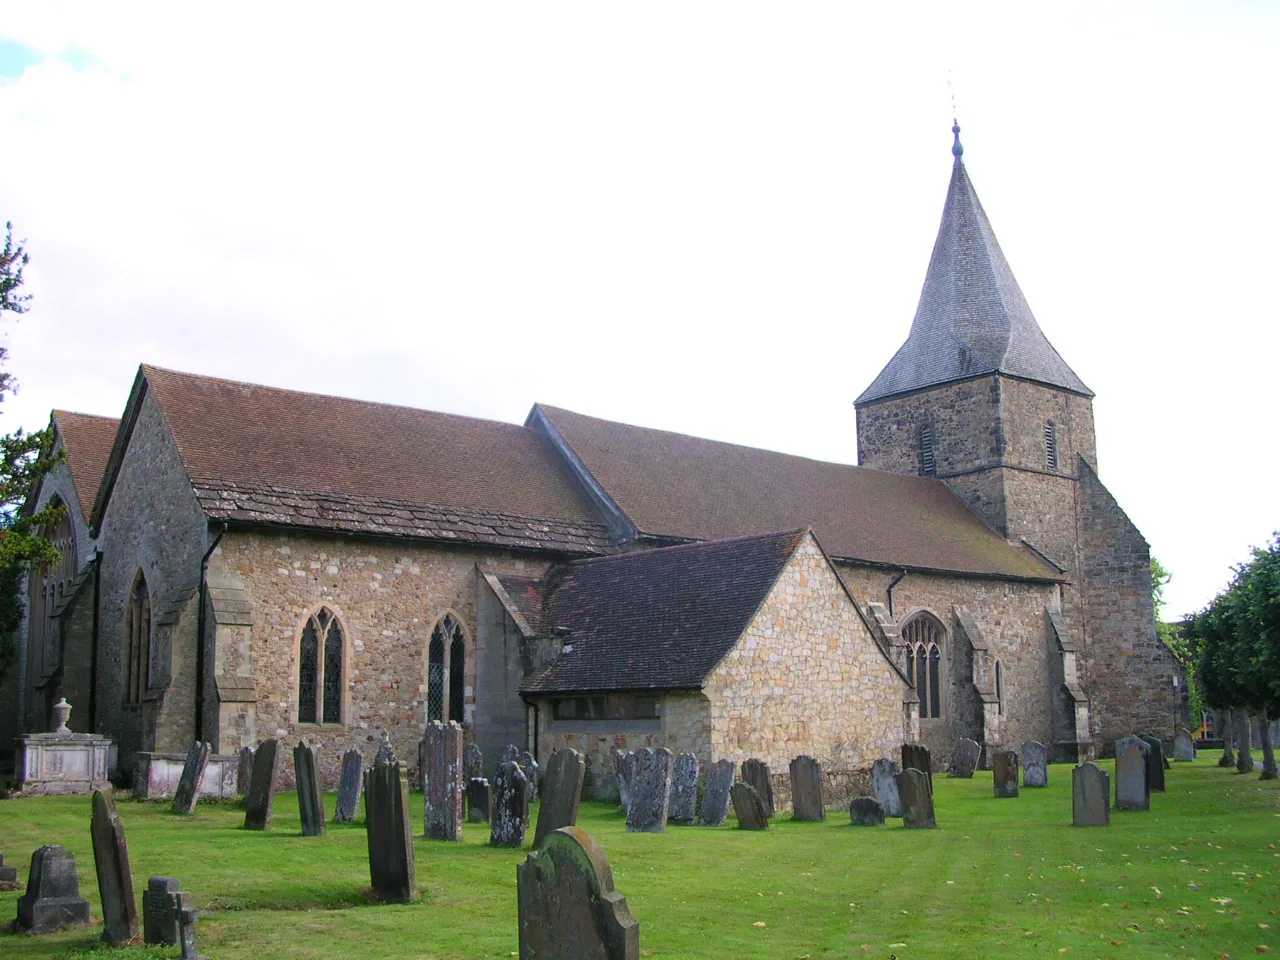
point(1195, 875)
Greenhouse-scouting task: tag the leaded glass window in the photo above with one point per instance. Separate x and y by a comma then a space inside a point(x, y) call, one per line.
point(923, 636)
point(435, 677)
point(321, 673)
point(332, 672)
point(308, 662)
point(935, 693)
point(446, 671)
point(457, 665)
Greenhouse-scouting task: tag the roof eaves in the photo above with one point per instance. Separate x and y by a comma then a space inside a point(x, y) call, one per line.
point(123, 436)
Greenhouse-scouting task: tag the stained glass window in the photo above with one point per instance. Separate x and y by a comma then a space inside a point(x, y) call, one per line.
point(308, 664)
point(457, 666)
point(333, 672)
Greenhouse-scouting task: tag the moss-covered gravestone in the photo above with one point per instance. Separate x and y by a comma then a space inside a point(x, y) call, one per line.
point(748, 807)
point(509, 806)
point(561, 793)
point(440, 763)
point(650, 791)
point(715, 800)
point(682, 805)
point(1004, 774)
point(390, 833)
point(917, 799)
point(916, 756)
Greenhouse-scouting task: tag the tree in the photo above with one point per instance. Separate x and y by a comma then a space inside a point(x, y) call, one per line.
point(1171, 635)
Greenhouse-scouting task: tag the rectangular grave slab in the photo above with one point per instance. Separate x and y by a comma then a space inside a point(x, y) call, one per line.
point(260, 800)
point(1090, 796)
point(964, 759)
point(650, 791)
point(440, 762)
point(756, 772)
point(1132, 792)
point(509, 810)
point(1184, 746)
point(866, 812)
point(715, 801)
point(52, 901)
point(310, 799)
point(188, 791)
point(884, 784)
point(115, 880)
point(917, 799)
point(350, 786)
point(682, 805)
point(1004, 774)
point(561, 793)
point(807, 790)
point(1035, 764)
point(748, 807)
point(478, 800)
point(390, 833)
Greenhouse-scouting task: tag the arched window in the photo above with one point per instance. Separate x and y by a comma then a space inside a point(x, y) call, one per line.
point(321, 652)
point(457, 666)
point(446, 671)
point(999, 687)
point(435, 675)
point(923, 636)
point(138, 640)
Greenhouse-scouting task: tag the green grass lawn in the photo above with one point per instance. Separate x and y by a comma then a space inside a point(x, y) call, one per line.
point(1197, 876)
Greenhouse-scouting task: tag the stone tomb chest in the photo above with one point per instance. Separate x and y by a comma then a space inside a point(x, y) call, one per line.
point(55, 763)
point(156, 776)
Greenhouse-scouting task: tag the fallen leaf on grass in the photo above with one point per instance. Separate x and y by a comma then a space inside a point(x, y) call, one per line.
point(903, 944)
point(759, 923)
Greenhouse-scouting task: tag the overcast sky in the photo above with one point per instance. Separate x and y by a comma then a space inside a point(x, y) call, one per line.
point(710, 218)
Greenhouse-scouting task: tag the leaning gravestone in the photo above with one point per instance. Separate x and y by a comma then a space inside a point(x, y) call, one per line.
point(682, 807)
point(188, 792)
point(568, 907)
point(478, 800)
point(715, 800)
point(531, 770)
point(390, 833)
point(1090, 796)
point(244, 771)
point(52, 900)
point(159, 918)
point(624, 768)
point(115, 881)
point(866, 812)
point(509, 816)
point(1004, 773)
point(472, 762)
point(440, 762)
point(349, 787)
point(1132, 792)
point(748, 807)
point(260, 799)
point(1035, 764)
point(917, 799)
point(806, 789)
point(650, 791)
point(884, 784)
point(916, 755)
point(1184, 747)
point(756, 773)
point(964, 759)
point(1155, 762)
point(8, 876)
point(310, 799)
point(561, 793)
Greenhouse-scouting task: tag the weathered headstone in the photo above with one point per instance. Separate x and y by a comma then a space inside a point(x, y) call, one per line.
point(884, 784)
point(1035, 764)
point(568, 907)
point(806, 789)
point(917, 799)
point(1155, 762)
point(531, 771)
point(310, 799)
point(715, 799)
point(188, 792)
point(187, 917)
point(650, 791)
point(52, 900)
point(624, 768)
point(1132, 791)
point(509, 812)
point(260, 799)
point(159, 913)
point(478, 800)
point(682, 806)
point(510, 753)
point(1090, 796)
point(349, 787)
point(866, 812)
point(1004, 773)
point(748, 807)
point(390, 833)
point(115, 881)
point(440, 761)
point(1184, 746)
point(964, 759)
point(244, 771)
point(8, 876)
point(386, 753)
point(916, 755)
point(472, 762)
point(561, 793)
point(756, 773)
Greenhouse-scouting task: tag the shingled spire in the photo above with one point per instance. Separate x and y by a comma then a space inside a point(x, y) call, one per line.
point(972, 318)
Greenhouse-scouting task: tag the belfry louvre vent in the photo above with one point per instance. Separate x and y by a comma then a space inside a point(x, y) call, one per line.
point(928, 466)
point(1050, 445)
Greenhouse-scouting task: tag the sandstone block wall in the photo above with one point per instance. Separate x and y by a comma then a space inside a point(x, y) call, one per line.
point(965, 420)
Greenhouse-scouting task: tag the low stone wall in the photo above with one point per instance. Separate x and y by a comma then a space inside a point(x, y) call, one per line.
point(156, 776)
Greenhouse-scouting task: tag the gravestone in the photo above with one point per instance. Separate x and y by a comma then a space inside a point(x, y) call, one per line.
point(244, 771)
point(806, 789)
point(52, 900)
point(1155, 762)
point(715, 800)
point(188, 792)
point(349, 787)
point(261, 798)
point(567, 905)
point(1004, 773)
point(682, 806)
point(748, 807)
point(386, 753)
point(650, 791)
point(884, 784)
point(115, 881)
point(531, 771)
point(478, 800)
point(964, 759)
point(159, 913)
point(866, 812)
point(917, 755)
point(1090, 796)
point(509, 813)
point(624, 768)
point(561, 793)
point(187, 917)
point(390, 833)
point(917, 799)
point(440, 762)
point(8, 876)
point(1184, 747)
point(1132, 792)
point(1035, 764)
point(510, 753)
point(756, 773)
point(472, 762)
point(310, 799)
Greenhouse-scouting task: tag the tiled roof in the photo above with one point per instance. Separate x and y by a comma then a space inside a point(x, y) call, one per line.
point(972, 318)
point(653, 619)
point(87, 440)
point(678, 487)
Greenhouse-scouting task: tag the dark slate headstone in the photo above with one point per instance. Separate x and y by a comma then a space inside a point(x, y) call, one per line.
point(1132, 792)
point(682, 806)
point(187, 917)
point(310, 799)
point(568, 907)
point(261, 798)
point(1035, 764)
point(440, 761)
point(8, 876)
point(188, 790)
point(756, 773)
point(650, 791)
point(1090, 796)
point(472, 762)
point(531, 771)
point(1155, 762)
point(478, 800)
point(509, 814)
point(715, 799)
point(624, 768)
point(390, 833)
point(386, 753)
point(964, 759)
point(866, 812)
point(52, 900)
point(916, 755)
point(561, 793)
point(748, 807)
point(917, 799)
point(884, 784)
point(349, 787)
point(1184, 747)
point(806, 789)
point(115, 881)
point(244, 771)
point(1004, 773)
point(159, 918)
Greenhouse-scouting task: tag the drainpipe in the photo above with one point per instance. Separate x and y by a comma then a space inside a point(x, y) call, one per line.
point(93, 643)
point(893, 583)
point(200, 625)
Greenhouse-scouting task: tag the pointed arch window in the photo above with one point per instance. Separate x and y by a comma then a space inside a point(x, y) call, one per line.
point(923, 636)
point(446, 671)
point(321, 669)
point(138, 640)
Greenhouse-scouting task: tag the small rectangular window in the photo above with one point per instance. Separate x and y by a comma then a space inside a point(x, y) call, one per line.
point(928, 466)
point(1051, 445)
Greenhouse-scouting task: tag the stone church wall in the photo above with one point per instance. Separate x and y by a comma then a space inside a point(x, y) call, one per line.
point(965, 428)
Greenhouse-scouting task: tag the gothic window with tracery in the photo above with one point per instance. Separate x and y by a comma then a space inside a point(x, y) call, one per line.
point(321, 655)
point(446, 671)
point(923, 637)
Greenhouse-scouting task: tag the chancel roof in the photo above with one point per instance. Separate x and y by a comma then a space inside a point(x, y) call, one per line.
point(87, 440)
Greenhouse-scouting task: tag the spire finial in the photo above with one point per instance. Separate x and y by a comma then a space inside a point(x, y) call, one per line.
point(957, 148)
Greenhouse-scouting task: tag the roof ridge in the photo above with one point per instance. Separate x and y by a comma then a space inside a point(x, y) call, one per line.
point(797, 532)
point(58, 412)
